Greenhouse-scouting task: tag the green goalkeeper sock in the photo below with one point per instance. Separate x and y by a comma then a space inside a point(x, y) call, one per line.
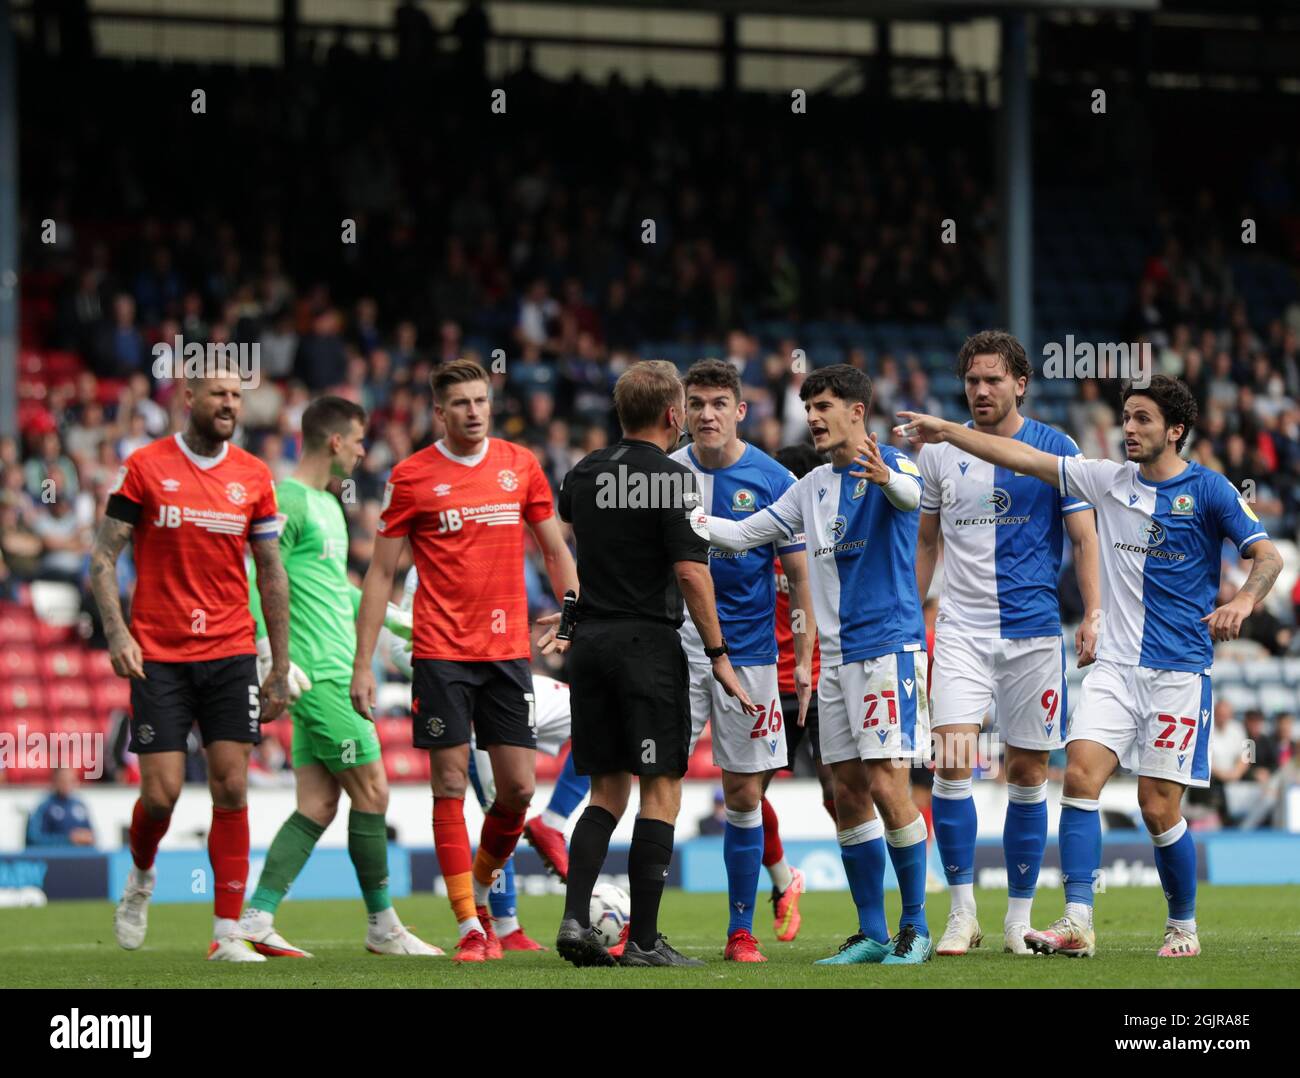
point(293, 844)
point(368, 848)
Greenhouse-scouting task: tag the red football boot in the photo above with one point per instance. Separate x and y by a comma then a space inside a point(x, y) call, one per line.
point(518, 940)
point(549, 844)
point(617, 950)
point(493, 944)
point(742, 947)
point(471, 948)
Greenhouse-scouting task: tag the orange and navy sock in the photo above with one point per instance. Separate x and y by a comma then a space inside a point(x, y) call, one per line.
point(146, 832)
point(228, 852)
point(451, 842)
point(497, 841)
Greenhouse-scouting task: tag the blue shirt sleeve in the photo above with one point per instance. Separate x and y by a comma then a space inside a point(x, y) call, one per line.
point(1236, 520)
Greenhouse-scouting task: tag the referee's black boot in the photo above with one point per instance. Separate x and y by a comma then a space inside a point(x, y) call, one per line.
point(581, 946)
point(661, 954)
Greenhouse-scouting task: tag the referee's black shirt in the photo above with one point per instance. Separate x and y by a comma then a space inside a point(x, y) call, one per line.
point(630, 506)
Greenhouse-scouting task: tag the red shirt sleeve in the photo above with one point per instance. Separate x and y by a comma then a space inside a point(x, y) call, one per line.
point(539, 504)
point(130, 483)
point(398, 508)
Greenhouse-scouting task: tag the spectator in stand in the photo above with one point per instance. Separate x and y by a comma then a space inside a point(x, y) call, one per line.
point(48, 464)
point(322, 359)
point(120, 347)
point(715, 822)
point(1261, 749)
point(65, 535)
point(62, 819)
point(1228, 761)
point(1284, 737)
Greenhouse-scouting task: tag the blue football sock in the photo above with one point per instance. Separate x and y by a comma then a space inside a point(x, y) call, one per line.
point(1024, 838)
point(955, 826)
point(503, 902)
point(742, 853)
point(862, 849)
point(570, 789)
point(907, 851)
point(1176, 863)
point(1080, 839)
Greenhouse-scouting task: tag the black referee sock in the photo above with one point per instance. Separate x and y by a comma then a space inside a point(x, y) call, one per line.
point(587, 851)
point(647, 868)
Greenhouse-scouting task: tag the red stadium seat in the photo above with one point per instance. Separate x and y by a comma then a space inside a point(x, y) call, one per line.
point(29, 776)
point(407, 765)
point(26, 694)
point(393, 733)
point(110, 694)
point(17, 661)
point(63, 663)
point(99, 665)
point(76, 722)
point(17, 626)
point(54, 636)
point(66, 695)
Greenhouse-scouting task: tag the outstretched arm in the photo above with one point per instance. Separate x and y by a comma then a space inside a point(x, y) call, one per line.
point(1004, 452)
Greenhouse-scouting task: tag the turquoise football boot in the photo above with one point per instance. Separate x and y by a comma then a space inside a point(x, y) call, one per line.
point(857, 950)
point(909, 948)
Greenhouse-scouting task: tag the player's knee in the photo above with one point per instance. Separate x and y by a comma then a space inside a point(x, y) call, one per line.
point(515, 796)
point(1079, 781)
point(229, 791)
point(159, 800)
point(321, 813)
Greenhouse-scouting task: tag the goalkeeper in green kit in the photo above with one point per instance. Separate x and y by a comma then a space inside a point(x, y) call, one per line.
point(334, 748)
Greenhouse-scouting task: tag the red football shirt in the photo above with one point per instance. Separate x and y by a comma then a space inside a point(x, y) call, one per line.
point(195, 516)
point(464, 518)
point(785, 638)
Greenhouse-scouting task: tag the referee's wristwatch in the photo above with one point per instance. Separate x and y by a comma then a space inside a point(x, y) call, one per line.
point(718, 652)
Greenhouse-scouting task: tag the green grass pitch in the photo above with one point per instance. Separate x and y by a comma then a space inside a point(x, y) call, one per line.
point(1250, 938)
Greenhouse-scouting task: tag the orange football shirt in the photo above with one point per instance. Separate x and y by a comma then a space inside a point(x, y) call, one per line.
point(196, 515)
point(465, 522)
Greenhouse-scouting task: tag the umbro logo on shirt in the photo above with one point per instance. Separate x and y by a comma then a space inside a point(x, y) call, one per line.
point(442, 490)
point(171, 486)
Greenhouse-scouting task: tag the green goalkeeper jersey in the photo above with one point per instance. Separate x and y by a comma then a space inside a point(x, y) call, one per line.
point(322, 601)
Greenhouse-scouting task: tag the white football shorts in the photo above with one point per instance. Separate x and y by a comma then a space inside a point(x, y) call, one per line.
point(875, 709)
point(742, 744)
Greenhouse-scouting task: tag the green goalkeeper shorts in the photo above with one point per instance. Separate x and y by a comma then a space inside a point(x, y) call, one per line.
point(327, 731)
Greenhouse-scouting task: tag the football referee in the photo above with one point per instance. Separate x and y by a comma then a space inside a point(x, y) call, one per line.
point(639, 553)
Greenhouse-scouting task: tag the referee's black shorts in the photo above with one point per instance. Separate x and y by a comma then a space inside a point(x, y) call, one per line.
point(629, 698)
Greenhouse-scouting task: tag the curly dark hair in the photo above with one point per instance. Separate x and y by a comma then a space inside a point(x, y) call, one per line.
point(800, 459)
point(1173, 398)
point(847, 383)
point(713, 374)
point(996, 342)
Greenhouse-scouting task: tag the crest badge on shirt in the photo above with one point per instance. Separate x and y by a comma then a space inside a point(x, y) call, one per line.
point(743, 501)
point(1184, 506)
point(508, 480)
point(236, 493)
point(860, 489)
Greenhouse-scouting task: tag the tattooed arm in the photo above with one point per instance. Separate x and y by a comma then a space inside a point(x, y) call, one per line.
point(1266, 563)
point(128, 661)
point(273, 586)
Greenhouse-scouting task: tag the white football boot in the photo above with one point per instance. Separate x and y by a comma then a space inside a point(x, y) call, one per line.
point(1179, 943)
point(131, 918)
point(257, 927)
point(401, 941)
point(960, 934)
point(233, 948)
point(1013, 939)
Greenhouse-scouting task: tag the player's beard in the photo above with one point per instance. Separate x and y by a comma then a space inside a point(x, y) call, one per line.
point(207, 432)
point(999, 413)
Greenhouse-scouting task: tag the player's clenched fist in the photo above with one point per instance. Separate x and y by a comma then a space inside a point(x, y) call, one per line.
point(275, 695)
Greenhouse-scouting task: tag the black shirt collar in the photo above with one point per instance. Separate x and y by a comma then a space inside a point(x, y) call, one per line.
point(639, 441)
